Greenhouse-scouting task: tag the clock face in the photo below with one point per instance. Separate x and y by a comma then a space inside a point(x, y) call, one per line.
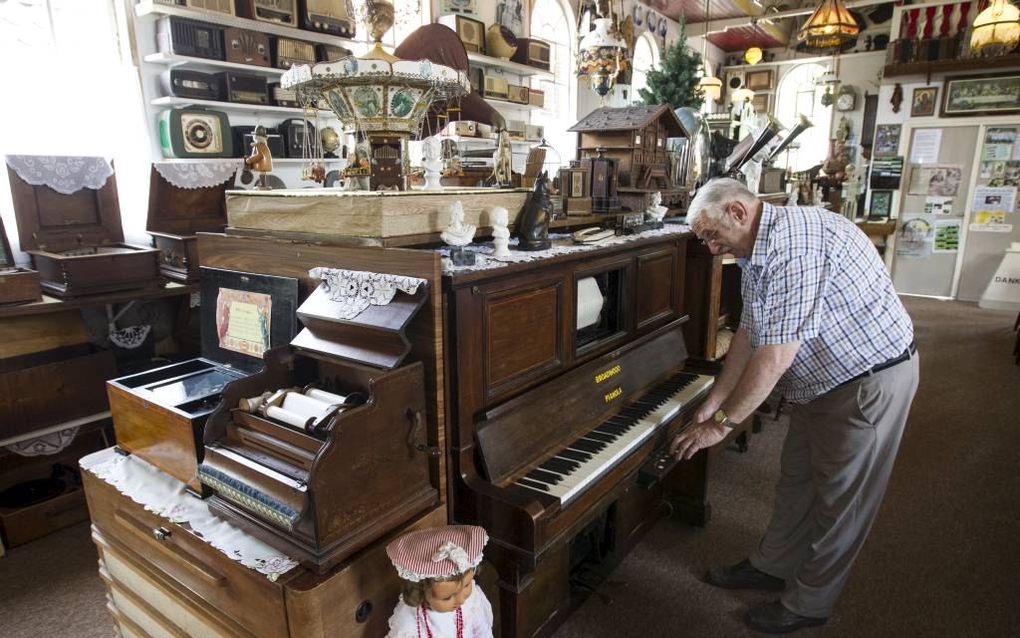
point(845, 101)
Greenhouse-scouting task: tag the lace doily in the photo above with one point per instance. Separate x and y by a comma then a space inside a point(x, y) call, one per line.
point(165, 496)
point(131, 337)
point(562, 245)
point(64, 174)
point(192, 175)
point(45, 445)
point(354, 290)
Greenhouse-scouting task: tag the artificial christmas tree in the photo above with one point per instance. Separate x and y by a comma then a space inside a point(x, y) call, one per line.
point(676, 83)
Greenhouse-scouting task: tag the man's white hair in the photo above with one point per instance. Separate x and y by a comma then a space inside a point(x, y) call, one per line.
point(712, 198)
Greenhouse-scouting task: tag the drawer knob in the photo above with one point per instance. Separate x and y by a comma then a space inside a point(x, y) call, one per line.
point(161, 533)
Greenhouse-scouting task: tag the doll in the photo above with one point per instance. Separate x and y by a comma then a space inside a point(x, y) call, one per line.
point(439, 599)
point(260, 160)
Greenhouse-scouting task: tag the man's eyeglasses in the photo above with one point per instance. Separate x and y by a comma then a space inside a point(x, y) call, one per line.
point(708, 236)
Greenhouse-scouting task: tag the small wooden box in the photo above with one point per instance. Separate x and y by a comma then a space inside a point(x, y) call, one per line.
point(76, 240)
point(177, 212)
point(160, 414)
point(19, 285)
point(26, 524)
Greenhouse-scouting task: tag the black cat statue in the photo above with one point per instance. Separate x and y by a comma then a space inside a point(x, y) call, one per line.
point(533, 225)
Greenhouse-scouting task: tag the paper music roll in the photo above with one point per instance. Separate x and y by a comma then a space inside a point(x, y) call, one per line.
point(288, 417)
point(328, 397)
point(304, 405)
point(589, 302)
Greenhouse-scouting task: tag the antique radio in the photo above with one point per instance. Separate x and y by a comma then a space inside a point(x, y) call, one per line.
point(536, 97)
point(290, 52)
point(534, 131)
point(278, 11)
point(216, 6)
point(518, 94)
point(243, 139)
point(330, 53)
point(159, 415)
point(193, 133)
point(287, 451)
point(465, 128)
point(72, 230)
point(532, 52)
point(190, 84)
point(283, 97)
point(179, 36)
point(298, 134)
point(575, 189)
point(244, 46)
point(496, 87)
point(17, 285)
point(244, 88)
point(327, 16)
point(471, 32)
point(515, 128)
point(387, 163)
point(185, 199)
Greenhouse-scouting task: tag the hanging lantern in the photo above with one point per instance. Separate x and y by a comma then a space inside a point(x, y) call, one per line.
point(753, 55)
point(600, 56)
point(830, 27)
point(996, 29)
point(711, 87)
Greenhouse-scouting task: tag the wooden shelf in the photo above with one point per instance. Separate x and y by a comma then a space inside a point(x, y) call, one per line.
point(498, 103)
point(151, 9)
point(951, 66)
point(52, 304)
point(507, 66)
point(171, 60)
point(175, 102)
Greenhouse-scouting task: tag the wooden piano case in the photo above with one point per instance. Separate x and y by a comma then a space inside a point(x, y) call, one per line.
point(76, 240)
point(541, 359)
point(160, 414)
point(177, 212)
point(321, 494)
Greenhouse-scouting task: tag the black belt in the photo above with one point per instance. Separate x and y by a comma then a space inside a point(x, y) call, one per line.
point(909, 352)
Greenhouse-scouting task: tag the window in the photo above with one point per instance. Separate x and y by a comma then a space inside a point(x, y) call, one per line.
point(800, 95)
point(552, 21)
point(646, 58)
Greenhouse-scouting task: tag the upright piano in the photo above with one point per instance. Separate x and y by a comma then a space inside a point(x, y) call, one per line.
point(568, 381)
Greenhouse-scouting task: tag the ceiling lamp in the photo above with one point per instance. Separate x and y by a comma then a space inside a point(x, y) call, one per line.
point(753, 55)
point(709, 85)
point(996, 29)
point(600, 55)
point(829, 27)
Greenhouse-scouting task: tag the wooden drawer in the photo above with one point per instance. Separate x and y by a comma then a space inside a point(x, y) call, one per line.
point(147, 605)
point(29, 523)
point(232, 589)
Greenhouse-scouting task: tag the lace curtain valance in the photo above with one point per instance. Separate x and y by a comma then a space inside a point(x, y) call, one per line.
point(64, 174)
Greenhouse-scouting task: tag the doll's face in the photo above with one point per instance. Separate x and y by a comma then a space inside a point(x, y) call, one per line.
point(449, 595)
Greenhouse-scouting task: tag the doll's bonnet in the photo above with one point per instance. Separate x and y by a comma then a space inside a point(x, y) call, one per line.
point(437, 552)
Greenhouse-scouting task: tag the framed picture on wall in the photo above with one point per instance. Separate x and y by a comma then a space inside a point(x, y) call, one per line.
point(457, 6)
point(761, 102)
point(887, 139)
point(923, 102)
point(760, 80)
point(981, 95)
point(881, 205)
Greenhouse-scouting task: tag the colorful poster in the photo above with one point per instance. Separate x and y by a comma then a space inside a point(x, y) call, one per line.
point(243, 321)
point(947, 236)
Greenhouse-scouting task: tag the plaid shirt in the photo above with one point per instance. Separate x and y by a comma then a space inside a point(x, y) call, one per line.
point(814, 277)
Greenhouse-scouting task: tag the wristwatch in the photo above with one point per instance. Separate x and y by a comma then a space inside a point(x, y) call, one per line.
point(721, 418)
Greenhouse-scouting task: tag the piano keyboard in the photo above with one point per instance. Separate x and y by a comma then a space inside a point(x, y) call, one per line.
point(579, 464)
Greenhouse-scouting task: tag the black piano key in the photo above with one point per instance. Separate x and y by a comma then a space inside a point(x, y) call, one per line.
point(560, 467)
point(587, 445)
point(599, 436)
point(610, 428)
point(544, 477)
point(576, 455)
point(533, 484)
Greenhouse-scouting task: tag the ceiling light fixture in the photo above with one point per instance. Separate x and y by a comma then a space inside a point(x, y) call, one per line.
point(829, 27)
point(709, 85)
point(996, 29)
point(753, 55)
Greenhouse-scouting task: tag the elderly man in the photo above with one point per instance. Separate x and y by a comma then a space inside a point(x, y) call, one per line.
point(821, 323)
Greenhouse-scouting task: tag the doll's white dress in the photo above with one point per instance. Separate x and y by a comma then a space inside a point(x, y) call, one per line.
point(406, 621)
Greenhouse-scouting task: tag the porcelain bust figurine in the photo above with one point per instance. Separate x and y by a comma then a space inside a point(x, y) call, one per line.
point(500, 219)
point(656, 211)
point(457, 233)
point(433, 162)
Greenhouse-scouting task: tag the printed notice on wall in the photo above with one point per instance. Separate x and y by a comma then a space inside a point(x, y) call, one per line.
point(242, 321)
point(914, 236)
point(925, 149)
point(994, 198)
point(999, 144)
point(937, 180)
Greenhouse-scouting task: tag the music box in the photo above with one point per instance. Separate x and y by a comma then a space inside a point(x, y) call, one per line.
point(288, 451)
point(17, 285)
point(186, 198)
point(68, 220)
point(160, 414)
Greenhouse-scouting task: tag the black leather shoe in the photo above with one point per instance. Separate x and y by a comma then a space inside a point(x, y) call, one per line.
point(773, 618)
point(743, 575)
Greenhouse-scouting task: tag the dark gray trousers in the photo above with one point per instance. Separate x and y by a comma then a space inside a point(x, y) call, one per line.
point(836, 461)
